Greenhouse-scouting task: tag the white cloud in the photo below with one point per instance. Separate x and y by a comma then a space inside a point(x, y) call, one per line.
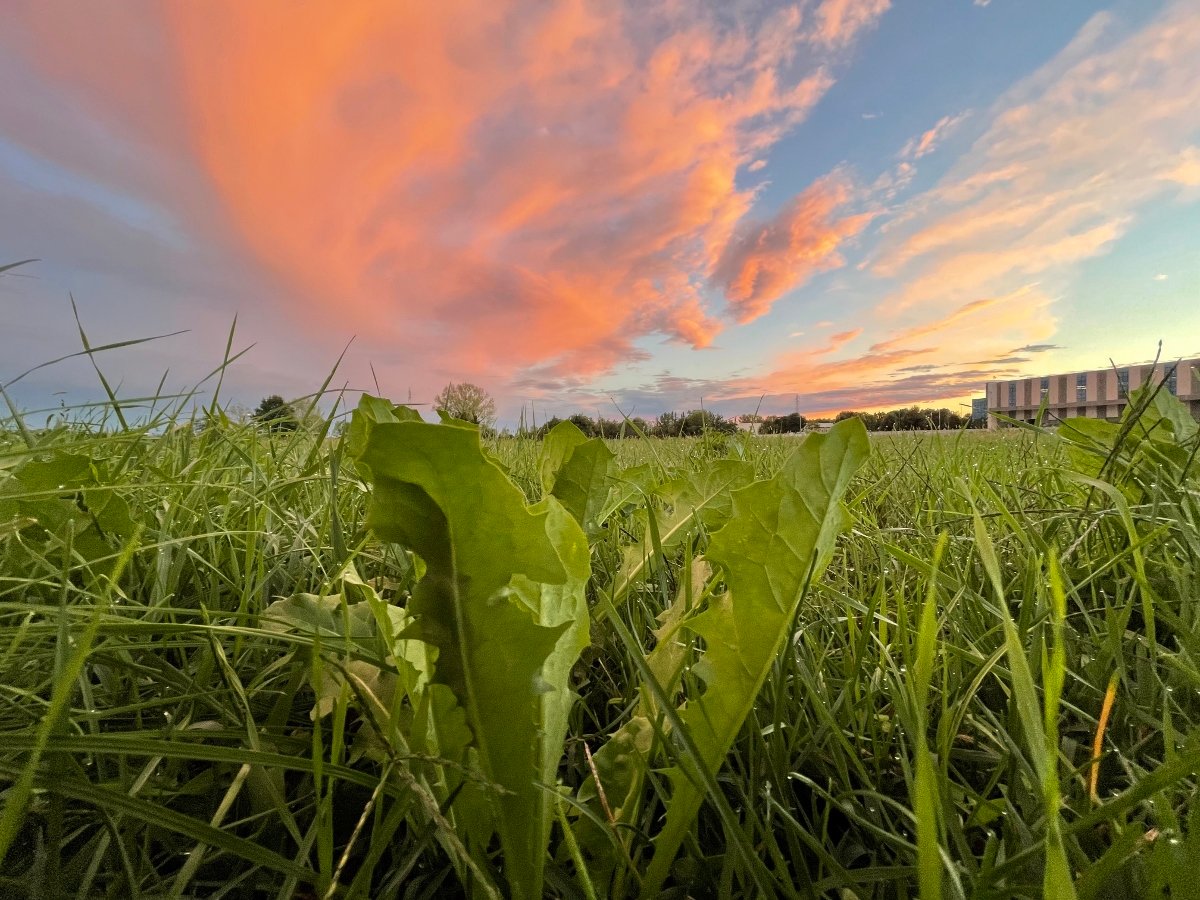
point(1187, 172)
point(1070, 158)
point(928, 141)
point(1161, 276)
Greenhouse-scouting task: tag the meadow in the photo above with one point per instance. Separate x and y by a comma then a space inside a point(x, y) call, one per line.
point(400, 661)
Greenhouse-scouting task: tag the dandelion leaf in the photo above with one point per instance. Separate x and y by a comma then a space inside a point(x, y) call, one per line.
point(502, 600)
point(781, 534)
point(577, 471)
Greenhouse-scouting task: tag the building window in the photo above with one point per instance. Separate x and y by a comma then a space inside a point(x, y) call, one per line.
point(1101, 385)
point(1081, 388)
point(1045, 388)
point(1122, 383)
point(1172, 383)
point(1012, 394)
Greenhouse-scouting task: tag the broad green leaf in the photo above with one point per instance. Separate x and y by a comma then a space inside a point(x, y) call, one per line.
point(373, 411)
point(577, 471)
point(342, 628)
point(558, 606)
point(621, 766)
point(630, 485)
point(780, 536)
point(1166, 408)
point(557, 448)
point(696, 498)
point(503, 602)
point(1155, 441)
point(111, 511)
point(705, 494)
point(60, 472)
point(60, 490)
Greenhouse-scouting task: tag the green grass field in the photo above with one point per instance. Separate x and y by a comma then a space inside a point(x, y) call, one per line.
point(240, 664)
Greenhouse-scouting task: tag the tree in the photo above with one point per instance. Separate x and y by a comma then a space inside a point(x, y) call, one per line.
point(669, 424)
point(703, 421)
point(583, 423)
point(792, 423)
point(910, 418)
point(546, 427)
point(467, 402)
point(636, 427)
point(276, 414)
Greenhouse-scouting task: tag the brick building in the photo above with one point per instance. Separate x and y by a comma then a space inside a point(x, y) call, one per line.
point(1098, 394)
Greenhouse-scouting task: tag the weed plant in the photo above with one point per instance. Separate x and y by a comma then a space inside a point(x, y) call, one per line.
point(991, 690)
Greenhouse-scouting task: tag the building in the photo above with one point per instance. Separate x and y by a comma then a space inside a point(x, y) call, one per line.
point(979, 409)
point(1099, 394)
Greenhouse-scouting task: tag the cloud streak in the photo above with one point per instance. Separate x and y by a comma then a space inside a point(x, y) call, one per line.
point(928, 141)
point(767, 259)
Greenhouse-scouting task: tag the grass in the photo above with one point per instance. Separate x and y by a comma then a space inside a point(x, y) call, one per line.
point(928, 729)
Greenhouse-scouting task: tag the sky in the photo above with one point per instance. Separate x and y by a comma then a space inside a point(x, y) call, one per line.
point(608, 207)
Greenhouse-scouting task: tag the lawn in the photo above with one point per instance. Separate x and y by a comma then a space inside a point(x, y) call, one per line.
point(400, 661)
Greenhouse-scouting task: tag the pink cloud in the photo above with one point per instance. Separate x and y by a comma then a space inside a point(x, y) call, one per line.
point(839, 21)
point(519, 184)
point(767, 259)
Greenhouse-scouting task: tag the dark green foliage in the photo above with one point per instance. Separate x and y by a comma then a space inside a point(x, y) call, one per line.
point(910, 418)
point(275, 414)
point(601, 427)
point(693, 423)
point(584, 424)
point(792, 423)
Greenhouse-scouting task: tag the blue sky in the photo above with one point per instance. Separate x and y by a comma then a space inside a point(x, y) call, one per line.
point(841, 204)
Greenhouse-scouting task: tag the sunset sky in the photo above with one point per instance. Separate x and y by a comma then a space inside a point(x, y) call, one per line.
point(865, 203)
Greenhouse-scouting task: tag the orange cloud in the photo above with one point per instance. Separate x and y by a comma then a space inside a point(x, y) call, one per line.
point(928, 328)
point(768, 259)
point(839, 340)
point(947, 356)
point(520, 184)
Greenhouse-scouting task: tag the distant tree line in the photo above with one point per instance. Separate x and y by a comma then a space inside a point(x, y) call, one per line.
point(471, 403)
point(792, 423)
point(671, 424)
point(911, 418)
